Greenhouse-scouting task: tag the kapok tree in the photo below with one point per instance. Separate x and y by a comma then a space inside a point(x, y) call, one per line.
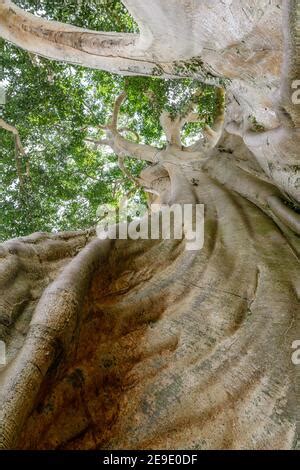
point(143, 344)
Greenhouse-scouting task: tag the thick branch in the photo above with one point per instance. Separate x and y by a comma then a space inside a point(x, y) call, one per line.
point(123, 147)
point(63, 42)
point(126, 148)
point(172, 128)
point(123, 53)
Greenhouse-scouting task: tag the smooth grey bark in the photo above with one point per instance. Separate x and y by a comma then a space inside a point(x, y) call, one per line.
point(173, 349)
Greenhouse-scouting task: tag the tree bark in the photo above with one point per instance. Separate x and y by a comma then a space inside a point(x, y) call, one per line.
point(144, 344)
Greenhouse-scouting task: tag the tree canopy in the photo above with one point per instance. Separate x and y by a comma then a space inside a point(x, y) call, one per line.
point(56, 107)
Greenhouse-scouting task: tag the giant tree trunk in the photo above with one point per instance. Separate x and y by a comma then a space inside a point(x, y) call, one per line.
point(144, 344)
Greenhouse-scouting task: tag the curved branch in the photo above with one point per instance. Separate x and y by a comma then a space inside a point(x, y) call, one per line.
point(15, 132)
point(117, 106)
point(126, 148)
point(146, 54)
point(123, 147)
point(19, 149)
point(111, 51)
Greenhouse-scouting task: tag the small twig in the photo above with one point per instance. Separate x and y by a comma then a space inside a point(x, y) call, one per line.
point(19, 150)
point(117, 107)
point(97, 142)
